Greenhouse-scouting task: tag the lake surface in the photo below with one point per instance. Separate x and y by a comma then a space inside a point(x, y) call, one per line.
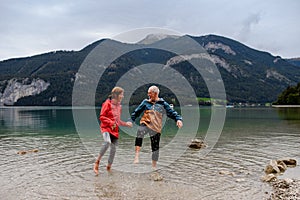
point(62, 167)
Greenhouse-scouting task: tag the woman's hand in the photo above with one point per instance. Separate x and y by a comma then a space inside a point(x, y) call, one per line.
point(129, 124)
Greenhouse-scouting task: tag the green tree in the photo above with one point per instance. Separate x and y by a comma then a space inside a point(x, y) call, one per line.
point(290, 96)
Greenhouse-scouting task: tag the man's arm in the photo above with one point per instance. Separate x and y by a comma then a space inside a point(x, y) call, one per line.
point(136, 113)
point(171, 113)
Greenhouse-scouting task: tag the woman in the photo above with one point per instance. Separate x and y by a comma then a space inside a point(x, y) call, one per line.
point(109, 125)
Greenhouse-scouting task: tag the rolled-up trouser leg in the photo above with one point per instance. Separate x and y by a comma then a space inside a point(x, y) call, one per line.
point(113, 147)
point(104, 148)
point(112, 154)
point(141, 132)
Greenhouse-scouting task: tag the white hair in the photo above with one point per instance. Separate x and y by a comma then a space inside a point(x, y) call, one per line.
point(154, 89)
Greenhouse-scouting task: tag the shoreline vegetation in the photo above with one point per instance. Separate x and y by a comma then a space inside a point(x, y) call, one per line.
point(290, 96)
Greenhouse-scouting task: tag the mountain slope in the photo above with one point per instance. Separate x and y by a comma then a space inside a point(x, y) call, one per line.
point(249, 75)
point(294, 61)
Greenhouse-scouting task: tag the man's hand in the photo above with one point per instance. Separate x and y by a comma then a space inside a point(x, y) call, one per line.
point(179, 123)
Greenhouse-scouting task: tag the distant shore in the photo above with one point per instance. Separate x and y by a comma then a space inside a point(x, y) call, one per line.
point(286, 106)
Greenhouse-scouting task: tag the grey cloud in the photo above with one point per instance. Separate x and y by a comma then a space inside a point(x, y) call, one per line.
point(248, 26)
point(34, 26)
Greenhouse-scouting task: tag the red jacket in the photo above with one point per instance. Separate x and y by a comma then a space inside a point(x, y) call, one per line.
point(110, 118)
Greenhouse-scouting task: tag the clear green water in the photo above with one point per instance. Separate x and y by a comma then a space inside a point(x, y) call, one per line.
point(62, 168)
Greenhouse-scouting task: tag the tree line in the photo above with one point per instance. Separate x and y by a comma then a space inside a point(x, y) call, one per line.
point(290, 96)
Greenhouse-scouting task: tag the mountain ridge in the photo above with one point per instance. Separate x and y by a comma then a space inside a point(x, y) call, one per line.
point(249, 75)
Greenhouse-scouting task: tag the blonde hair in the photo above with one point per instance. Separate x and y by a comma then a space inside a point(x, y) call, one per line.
point(115, 92)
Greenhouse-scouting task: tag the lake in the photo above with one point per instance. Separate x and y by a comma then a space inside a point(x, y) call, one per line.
point(229, 168)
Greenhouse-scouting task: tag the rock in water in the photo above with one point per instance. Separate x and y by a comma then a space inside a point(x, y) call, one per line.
point(197, 144)
point(156, 176)
point(21, 152)
point(272, 167)
point(280, 165)
point(289, 162)
point(33, 150)
point(277, 167)
point(269, 178)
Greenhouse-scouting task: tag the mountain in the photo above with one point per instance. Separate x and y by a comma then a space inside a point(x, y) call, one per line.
point(249, 75)
point(152, 38)
point(294, 61)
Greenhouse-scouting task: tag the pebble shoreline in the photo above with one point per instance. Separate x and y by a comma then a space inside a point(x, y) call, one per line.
point(284, 189)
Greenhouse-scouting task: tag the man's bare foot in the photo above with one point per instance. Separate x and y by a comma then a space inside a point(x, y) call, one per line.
point(136, 160)
point(108, 168)
point(154, 165)
point(96, 167)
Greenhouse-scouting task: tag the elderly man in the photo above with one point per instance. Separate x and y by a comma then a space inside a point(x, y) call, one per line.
point(151, 122)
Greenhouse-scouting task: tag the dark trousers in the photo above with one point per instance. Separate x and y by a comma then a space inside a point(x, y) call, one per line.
point(154, 138)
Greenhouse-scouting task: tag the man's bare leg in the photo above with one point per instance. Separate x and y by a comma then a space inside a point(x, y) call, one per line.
point(154, 164)
point(137, 154)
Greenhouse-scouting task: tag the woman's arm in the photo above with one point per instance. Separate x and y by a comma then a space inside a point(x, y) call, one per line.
point(104, 115)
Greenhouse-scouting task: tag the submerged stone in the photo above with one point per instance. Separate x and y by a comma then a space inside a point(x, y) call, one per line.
point(197, 144)
point(22, 152)
point(155, 176)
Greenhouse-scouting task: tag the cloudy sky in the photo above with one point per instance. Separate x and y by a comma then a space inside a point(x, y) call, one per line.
point(30, 27)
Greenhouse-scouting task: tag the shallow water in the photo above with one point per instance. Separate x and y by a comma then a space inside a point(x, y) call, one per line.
point(62, 168)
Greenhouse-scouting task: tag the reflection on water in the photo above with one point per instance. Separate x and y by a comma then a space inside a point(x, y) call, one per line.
point(289, 113)
point(62, 169)
point(20, 118)
point(36, 117)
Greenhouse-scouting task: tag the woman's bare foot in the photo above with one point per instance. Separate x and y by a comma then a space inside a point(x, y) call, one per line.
point(96, 167)
point(108, 168)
